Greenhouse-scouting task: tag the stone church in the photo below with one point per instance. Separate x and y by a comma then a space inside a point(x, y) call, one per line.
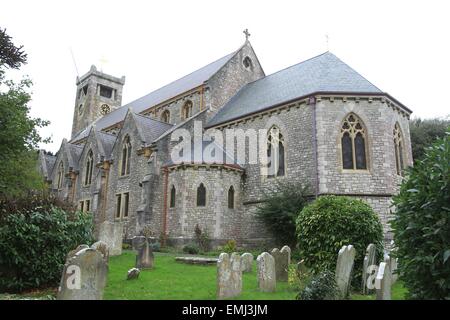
point(327, 128)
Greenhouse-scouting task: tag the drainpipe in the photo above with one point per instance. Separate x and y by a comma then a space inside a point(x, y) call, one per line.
point(312, 102)
point(105, 189)
point(166, 181)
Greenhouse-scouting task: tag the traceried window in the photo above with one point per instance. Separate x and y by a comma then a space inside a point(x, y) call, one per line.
point(231, 198)
point(126, 157)
point(89, 168)
point(172, 197)
point(186, 110)
point(122, 203)
point(60, 177)
point(201, 195)
point(353, 143)
point(247, 63)
point(165, 116)
point(275, 153)
point(398, 149)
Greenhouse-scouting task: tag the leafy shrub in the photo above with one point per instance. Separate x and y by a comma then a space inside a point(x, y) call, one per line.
point(191, 248)
point(156, 246)
point(321, 286)
point(280, 209)
point(330, 222)
point(230, 246)
point(202, 239)
point(126, 246)
point(422, 224)
point(34, 242)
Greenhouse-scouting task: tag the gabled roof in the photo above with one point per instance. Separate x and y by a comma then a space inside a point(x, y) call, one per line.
point(160, 95)
point(150, 129)
point(323, 73)
point(73, 154)
point(106, 142)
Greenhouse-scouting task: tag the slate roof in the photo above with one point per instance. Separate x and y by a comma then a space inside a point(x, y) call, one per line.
point(150, 129)
point(160, 95)
point(107, 142)
point(49, 162)
point(323, 73)
point(73, 154)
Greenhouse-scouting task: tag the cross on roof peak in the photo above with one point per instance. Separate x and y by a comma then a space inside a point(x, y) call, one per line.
point(247, 34)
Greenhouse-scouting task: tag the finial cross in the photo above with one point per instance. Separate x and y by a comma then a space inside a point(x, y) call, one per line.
point(247, 34)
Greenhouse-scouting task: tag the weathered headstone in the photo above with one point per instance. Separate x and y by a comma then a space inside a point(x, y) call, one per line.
point(229, 276)
point(282, 260)
point(84, 276)
point(301, 267)
point(73, 252)
point(145, 257)
point(137, 242)
point(393, 267)
point(102, 248)
point(133, 273)
point(247, 262)
point(267, 279)
point(344, 267)
point(383, 282)
point(369, 260)
point(112, 234)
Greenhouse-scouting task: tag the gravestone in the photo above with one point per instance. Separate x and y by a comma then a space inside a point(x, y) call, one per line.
point(344, 267)
point(111, 233)
point(229, 276)
point(282, 259)
point(102, 248)
point(73, 252)
point(301, 267)
point(246, 262)
point(369, 260)
point(133, 273)
point(145, 257)
point(137, 242)
point(393, 267)
point(383, 282)
point(84, 276)
point(266, 274)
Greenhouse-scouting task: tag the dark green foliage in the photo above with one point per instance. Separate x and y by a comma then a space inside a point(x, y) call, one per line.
point(230, 246)
point(156, 246)
point(10, 55)
point(280, 209)
point(422, 224)
point(330, 222)
point(424, 132)
point(191, 248)
point(34, 242)
point(321, 286)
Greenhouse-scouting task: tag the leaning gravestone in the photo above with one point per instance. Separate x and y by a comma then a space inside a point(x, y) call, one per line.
point(84, 276)
point(111, 234)
point(369, 260)
point(246, 262)
point(344, 267)
point(383, 282)
point(145, 257)
point(229, 276)
point(267, 279)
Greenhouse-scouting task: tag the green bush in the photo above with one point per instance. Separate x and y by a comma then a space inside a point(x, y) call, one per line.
point(202, 239)
point(321, 286)
point(230, 246)
point(279, 211)
point(191, 248)
point(34, 244)
point(422, 224)
point(330, 222)
point(156, 246)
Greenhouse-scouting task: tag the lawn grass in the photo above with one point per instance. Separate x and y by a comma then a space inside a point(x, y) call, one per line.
point(398, 293)
point(178, 281)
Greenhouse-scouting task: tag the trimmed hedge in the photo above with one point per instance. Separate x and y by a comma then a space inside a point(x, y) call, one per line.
point(330, 222)
point(422, 225)
point(34, 245)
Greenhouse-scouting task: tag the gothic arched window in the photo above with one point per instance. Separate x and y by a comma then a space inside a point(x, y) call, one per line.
point(88, 169)
point(275, 153)
point(172, 197)
point(60, 179)
point(165, 116)
point(126, 157)
point(186, 110)
point(201, 195)
point(231, 198)
point(398, 148)
point(353, 143)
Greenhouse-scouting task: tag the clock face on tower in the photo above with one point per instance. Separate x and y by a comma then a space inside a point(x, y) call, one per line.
point(104, 109)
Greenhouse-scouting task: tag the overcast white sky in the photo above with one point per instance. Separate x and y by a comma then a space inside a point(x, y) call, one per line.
point(403, 47)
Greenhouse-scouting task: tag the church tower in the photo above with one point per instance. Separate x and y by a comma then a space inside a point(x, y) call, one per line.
point(97, 95)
